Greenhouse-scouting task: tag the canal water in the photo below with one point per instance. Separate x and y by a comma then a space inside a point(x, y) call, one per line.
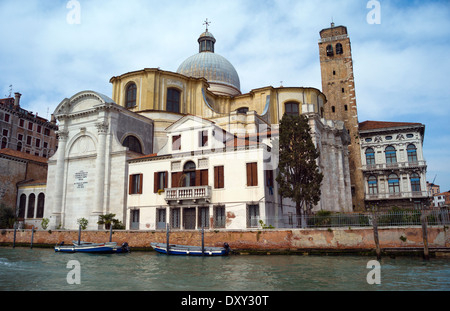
point(24, 269)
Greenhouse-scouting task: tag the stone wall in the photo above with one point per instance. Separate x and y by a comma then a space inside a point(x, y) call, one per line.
point(264, 240)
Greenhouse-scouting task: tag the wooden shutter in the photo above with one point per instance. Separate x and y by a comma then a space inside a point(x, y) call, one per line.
point(252, 174)
point(141, 179)
point(176, 179)
point(218, 177)
point(249, 174)
point(166, 180)
point(130, 184)
point(204, 178)
point(156, 182)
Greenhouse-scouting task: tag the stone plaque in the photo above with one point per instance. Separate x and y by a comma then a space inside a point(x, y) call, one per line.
point(81, 179)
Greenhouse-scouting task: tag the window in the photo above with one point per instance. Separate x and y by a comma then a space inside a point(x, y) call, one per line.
point(219, 177)
point(176, 142)
point(252, 174)
point(135, 214)
point(22, 204)
point(22, 123)
point(29, 139)
point(31, 201)
point(412, 153)
point(373, 185)
point(388, 137)
point(175, 218)
point(415, 182)
point(368, 140)
point(339, 49)
point(203, 217)
point(39, 129)
point(4, 143)
point(160, 181)
point(173, 100)
point(46, 132)
point(38, 142)
point(30, 126)
point(40, 205)
point(20, 137)
point(161, 218)
point(409, 135)
point(133, 144)
point(189, 172)
point(45, 145)
point(269, 180)
point(391, 155)
point(252, 216)
point(5, 132)
point(394, 183)
point(130, 96)
point(242, 110)
point(135, 186)
point(330, 50)
point(291, 108)
point(203, 138)
point(370, 156)
point(345, 107)
point(333, 109)
point(19, 146)
point(6, 117)
point(219, 216)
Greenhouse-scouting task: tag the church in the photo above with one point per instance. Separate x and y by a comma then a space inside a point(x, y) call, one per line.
point(188, 149)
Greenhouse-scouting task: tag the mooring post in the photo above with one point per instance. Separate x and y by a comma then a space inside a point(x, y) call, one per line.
point(167, 239)
point(375, 235)
point(423, 219)
point(110, 233)
point(32, 237)
point(14, 240)
point(203, 241)
point(79, 235)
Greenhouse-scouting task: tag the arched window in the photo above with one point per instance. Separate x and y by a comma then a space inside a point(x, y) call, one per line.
point(394, 183)
point(339, 49)
point(133, 144)
point(19, 146)
point(131, 95)
point(291, 108)
point(329, 50)
point(22, 206)
point(40, 206)
point(173, 100)
point(415, 182)
point(31, 201)
point(373, 185)
point(391, 155)
point(370, 156)
point(4, 142)
point(243, 110)
point(412, 153)
point(189, 172)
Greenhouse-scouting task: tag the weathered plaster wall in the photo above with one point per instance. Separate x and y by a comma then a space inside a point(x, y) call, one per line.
point(264, 240)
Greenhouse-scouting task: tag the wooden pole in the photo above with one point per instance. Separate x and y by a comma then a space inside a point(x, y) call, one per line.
point(110, 233)
point(167, 239)
point(32, 237)
point(203, 241)
point(375, 235)
point(14, 240)
point(79, 235)
point(423, 219)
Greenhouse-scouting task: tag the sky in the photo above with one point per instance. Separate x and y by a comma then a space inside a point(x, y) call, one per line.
point(52, 50)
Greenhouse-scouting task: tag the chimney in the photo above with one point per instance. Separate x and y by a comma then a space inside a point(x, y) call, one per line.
point(17, 100)
point(53, 119)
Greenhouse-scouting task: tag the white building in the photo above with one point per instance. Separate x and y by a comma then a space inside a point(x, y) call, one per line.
point(393, 164)
point(87, 175)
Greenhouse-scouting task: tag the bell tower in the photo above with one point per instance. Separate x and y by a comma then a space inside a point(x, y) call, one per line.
point(338, 85)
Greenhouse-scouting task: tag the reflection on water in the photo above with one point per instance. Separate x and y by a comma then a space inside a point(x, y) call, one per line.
point(43, 269)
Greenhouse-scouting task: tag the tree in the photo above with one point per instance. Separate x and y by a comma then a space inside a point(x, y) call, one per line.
point(298, 176)
point(109, 220)
point(7, 217)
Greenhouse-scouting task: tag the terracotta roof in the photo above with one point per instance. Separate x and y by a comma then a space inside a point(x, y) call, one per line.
point(373, 125)
point(23, 155)
point(33, 182)
point(145, 157)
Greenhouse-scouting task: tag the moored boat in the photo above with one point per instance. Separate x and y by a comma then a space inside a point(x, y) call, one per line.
point(189, 250)
point(88, 247)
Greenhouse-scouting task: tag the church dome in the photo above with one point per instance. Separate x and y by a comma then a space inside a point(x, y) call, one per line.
point(216, 69)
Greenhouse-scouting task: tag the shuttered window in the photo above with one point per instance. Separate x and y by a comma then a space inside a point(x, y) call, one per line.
point(160, 181)
point(219, 177)
point(135, 184)
point(176, 142)
point(252, 174)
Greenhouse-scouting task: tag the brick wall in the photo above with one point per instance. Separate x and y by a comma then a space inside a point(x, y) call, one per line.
point(265, 240)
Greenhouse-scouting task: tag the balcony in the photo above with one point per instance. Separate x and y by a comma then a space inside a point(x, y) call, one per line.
point(398, 195)
point(188, 193)
point(390, 166)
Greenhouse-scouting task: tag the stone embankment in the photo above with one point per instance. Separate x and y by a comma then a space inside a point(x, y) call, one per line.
point(270, 241)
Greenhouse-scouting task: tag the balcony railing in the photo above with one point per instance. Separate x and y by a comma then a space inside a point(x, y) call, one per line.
point(188, 193)
point(390, 166)
point(397, 195)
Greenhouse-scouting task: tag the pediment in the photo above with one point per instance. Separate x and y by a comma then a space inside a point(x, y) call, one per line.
point(190, 123)
point(82, 102)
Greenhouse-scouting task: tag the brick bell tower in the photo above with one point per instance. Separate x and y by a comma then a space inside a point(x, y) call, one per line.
point(338, 85)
